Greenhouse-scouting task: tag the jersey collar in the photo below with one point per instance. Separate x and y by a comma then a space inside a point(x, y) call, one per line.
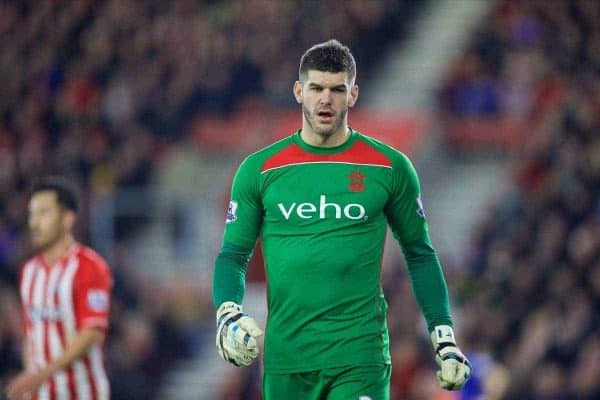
point(325, 150)
point(62, 260)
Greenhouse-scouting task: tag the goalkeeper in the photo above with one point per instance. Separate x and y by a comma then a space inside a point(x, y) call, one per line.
point(321, 200)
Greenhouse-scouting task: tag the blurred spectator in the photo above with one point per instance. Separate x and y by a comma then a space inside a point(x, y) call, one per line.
point(529, 300)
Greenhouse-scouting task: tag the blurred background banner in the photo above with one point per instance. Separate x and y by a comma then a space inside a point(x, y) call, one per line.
point(149, 106)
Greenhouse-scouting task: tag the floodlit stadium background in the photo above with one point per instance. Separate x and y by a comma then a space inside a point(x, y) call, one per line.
point(149, 106)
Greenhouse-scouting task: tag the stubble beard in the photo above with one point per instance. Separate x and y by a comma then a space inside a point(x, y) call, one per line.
point(44, 245)
point(326, 133)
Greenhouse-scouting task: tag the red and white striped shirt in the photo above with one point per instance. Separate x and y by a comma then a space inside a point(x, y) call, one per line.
point(58, 301)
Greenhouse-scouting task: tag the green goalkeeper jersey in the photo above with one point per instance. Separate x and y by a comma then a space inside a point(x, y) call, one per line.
point(322, 215)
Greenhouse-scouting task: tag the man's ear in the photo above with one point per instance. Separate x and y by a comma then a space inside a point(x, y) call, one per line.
point(298, 92)
point(69, 219)
point(353, 95)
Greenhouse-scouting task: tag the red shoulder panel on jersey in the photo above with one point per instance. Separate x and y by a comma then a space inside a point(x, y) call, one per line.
point(359, 153)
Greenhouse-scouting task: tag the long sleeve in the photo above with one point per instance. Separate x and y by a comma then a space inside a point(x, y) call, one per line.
point(428, 283)
point(408, 223)
point(242, 225)
point(229, 280)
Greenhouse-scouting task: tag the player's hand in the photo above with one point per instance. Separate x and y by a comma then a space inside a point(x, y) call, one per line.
point(24, 385)
point(236, 335)
point(455, 368)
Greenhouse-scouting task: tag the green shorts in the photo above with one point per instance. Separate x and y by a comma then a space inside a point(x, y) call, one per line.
point(345, 383)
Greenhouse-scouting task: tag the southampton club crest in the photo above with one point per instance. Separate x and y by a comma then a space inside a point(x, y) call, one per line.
point(357, 181)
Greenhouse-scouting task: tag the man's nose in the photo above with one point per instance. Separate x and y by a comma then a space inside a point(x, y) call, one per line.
point(325, 97)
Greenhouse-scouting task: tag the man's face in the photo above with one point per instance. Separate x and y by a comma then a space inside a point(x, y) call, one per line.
point(325, 98)
point(48, 222)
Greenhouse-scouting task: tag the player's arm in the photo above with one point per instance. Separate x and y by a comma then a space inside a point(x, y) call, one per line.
point(427, 280)
point(26, 358)
point(29, 381)
point(407, 219)
point(229, 280)
point(236, 332)
point(27, 346)
point(26, 355)
point(79, 345)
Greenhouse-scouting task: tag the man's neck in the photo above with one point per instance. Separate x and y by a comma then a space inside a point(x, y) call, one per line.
point(336, 139)
point(58, 249)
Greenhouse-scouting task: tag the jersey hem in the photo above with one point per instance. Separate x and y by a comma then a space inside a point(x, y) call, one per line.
point(318, 367)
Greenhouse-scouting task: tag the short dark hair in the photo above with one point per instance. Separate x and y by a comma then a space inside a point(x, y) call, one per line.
point(66, 193)
point(329, 56)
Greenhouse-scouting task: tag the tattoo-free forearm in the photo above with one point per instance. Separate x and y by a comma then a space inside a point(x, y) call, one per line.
point(76, 348)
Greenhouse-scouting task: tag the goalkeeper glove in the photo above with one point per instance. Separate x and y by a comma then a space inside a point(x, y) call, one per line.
point(455, 368)
point(236, 335)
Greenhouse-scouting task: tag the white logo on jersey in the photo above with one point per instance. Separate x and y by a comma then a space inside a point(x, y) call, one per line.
point(352, 211)
point(420, 209)
point(44, 314)
point(97, 300)
point(364, 398)
point(231, 210)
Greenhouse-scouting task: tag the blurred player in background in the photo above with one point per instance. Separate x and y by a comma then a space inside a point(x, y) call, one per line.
point(321, 200)
point(65, 292)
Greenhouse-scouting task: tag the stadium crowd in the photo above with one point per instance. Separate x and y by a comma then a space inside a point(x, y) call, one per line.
point(99, 91)
point(531, 293)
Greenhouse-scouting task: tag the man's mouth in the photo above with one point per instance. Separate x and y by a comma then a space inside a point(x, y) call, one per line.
point(326, 116)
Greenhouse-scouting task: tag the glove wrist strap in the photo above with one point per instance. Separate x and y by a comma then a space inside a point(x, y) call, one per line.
point(443, 334)
point(227, 308)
